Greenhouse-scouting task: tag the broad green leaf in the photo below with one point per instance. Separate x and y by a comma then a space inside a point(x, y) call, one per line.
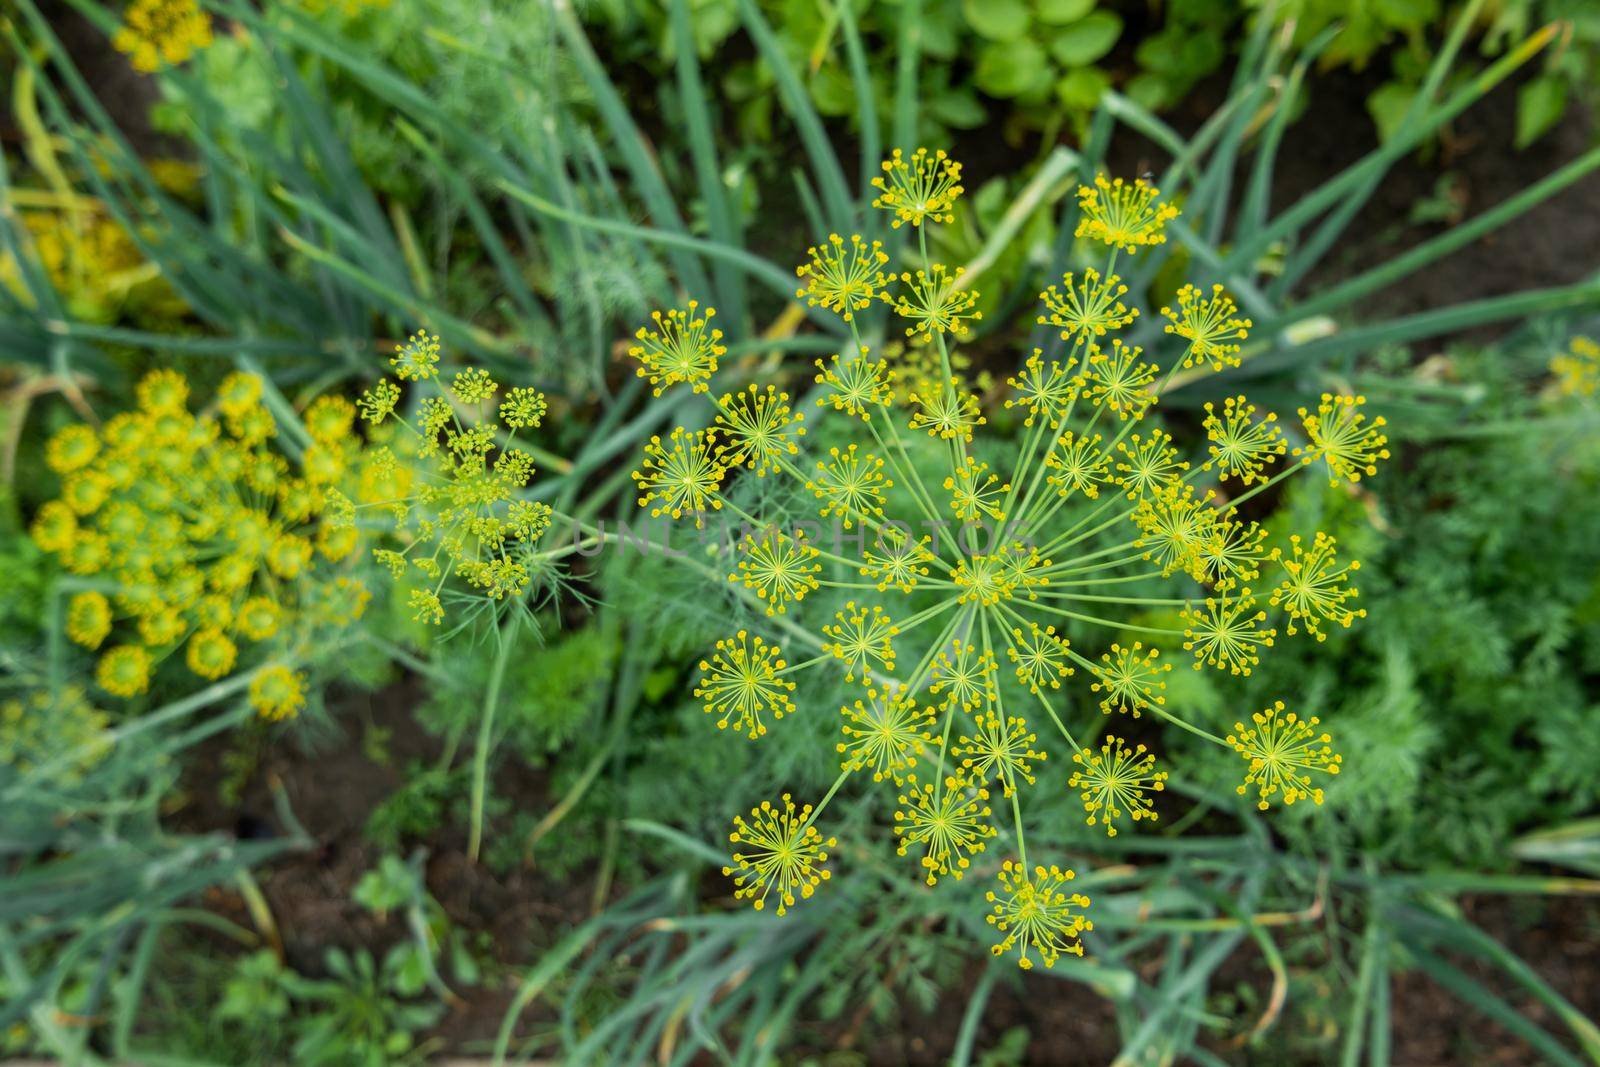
point(1388, 105)
point(1010, 68)
point(1060, 12)
point(1086, 40)
point(998, 20)
point(959, 108)
point(1080, 89)
point(1406, 14)
point(1540, 105)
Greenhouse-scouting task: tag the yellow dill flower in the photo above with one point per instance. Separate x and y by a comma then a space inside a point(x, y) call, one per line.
point(88, 618)
point(778, 568)
point(1125, 215)
point(1118, 380)
point(1211, 325)
point(1045, 389)
point(473, 385)
point(1149, 464)
point(781, 853)
point(1086, 306)
point(851, 486)
point(760, 428)
point(289, 555)
point(1241, 448)
point(1035, 914)
point(278, 693)
point(964, 675)
point(418, 359)
point(975, 493)
point(184, 516)
point(859, 638)
point(946, 411)
point(426, 607)
point(164, 392)
point(71, 449)
point(55, 527)
point(1232, 553)
point(210, 654)
point(1175, 527)
point(523, 408)
point(1226, 633)
point(896, 559)
point(1283, 750)
point(741, 681)
point(124, 671)
point(918, 188)
point(885, 734)
point(682, 346)
point(1577, 370)
point(1314, 588)
point(948, 826)
point(843, 277)
point(984, 579)
point(1040, 657)
point(258, 618)
point(935, 303)
point(378, 402)
point(856, 383)
point(238, 394)
point(1024, 568)
point(330, 419)
point(1077, 464)
point(1343, 438)
point(680, 476)
point(1114, 782)
point(1000, 747)
point(161, 32)
point(1130, 679)
point(58, 729)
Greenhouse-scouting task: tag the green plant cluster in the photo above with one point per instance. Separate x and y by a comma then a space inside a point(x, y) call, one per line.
point(524, 192)
point(1043, 65)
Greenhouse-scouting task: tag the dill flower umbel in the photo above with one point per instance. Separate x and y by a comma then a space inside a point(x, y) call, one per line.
point(1125, 215)
point(449, 481)
point(935, 302)
point(1114, 782)
point(278, 693)
point(1035, 914)
point(1343, 438)
point(206, 540)
point(922, 187)
point(948, 826)
point(743, 680)
point(60, 730)
point(843, 276)
point(885, 734)
point(781, 854)
point(1283, 751)
point(1211, 326)
point(680, 345)
point(155, 33)
point(1577, 370)
point(960, 555)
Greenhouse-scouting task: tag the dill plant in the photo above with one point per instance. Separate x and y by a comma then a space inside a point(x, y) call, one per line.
point(1096, 500)
point(192, 537)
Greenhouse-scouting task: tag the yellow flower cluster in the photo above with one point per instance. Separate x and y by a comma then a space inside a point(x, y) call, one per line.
point(195, 535)
point(448, 480)
point(61, 730)
point(157, 33)
point(1041, 564)
point(1577, 370)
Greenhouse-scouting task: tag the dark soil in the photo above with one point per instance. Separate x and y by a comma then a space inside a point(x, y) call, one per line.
point(333, 791)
